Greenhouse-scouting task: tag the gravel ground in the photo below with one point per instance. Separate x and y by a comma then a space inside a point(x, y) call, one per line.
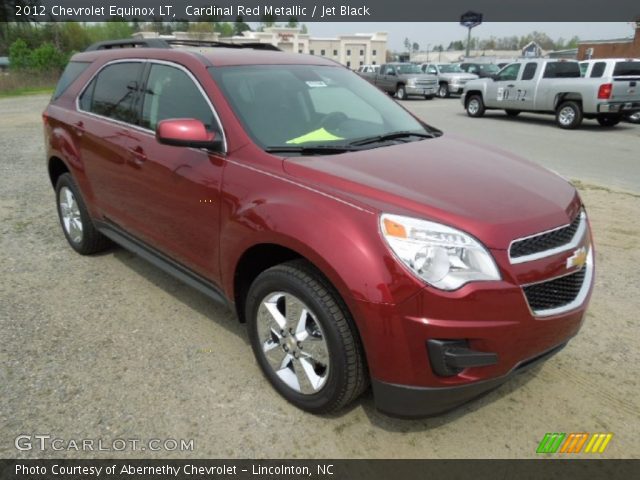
point(109, 347)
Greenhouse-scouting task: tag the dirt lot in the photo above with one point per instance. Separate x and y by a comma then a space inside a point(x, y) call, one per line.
point(109, 347)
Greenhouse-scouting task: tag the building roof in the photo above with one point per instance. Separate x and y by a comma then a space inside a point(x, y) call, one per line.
point(614, 40)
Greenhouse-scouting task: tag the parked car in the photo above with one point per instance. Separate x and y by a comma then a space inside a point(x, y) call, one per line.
point(403, 80)
point(359, 244)
point(482, 70)
point(368, 69)
point(554, 87)
point(633, 117)
point(451, 78)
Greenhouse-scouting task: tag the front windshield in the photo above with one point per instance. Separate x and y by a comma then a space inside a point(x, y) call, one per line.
point(310, 105)
point(409, 68)
point(450, 69)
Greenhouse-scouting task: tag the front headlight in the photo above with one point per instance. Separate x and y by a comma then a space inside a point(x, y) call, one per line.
point(442, 256)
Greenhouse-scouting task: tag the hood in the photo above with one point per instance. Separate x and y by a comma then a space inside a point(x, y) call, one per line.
point(488, 193)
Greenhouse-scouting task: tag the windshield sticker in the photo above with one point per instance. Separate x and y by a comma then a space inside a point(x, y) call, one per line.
point(318, 135)
point(316, 83)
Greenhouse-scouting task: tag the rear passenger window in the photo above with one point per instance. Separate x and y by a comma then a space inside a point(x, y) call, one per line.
point(598, 70)
point(562, 70)
point(529, 71)
point(113, 92)
point(628, 68)
point(171, 93)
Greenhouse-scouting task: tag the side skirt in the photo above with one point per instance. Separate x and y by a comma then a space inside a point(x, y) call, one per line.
point(163, 262)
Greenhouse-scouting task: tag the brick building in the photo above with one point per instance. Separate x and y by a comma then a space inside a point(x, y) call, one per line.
point(620, 48)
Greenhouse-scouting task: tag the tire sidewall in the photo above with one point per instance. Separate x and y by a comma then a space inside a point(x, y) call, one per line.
point(480, 110)
point(271, 282)
point(66, 180)
point(401, 92)
point(577, 115)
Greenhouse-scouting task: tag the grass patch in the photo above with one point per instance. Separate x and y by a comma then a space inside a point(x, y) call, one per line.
point(19, 92)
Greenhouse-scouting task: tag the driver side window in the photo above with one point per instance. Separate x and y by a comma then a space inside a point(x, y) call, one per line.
point(431, 69)
point(389, 70)
point(509, 73)
point(171, 93)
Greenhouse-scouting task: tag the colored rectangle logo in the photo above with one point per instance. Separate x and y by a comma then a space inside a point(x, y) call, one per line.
point(576, 442)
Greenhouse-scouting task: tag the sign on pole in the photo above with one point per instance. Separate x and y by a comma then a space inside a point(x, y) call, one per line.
point(471, 19)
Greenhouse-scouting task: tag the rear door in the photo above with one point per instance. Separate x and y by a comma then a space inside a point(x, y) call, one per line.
point(173, 193)
point(103, 128)
point(626, 80)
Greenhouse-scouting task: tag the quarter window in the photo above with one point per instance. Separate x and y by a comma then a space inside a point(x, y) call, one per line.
point(598, 70)
point(171, 93)
point(113, 92)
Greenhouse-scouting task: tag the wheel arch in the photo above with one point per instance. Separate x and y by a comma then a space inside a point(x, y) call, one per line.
point(565, 97)
point(56, 167)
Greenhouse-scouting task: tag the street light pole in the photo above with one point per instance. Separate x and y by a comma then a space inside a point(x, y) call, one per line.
point(466, 55)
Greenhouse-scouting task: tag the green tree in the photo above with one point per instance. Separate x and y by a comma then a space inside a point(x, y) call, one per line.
point(303, 29)
point(240, 26)
point(293, 22)
point(19, 55)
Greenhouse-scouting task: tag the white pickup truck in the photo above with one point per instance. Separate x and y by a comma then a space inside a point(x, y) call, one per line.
point(555, 87)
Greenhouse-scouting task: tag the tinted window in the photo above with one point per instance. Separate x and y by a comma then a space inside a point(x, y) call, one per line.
point(509, 73)
point(584, 66)
point(529, 71)
point(562, 70)
point(171, 93)
point(626, 68)
point(73, 71)
point(113, 92)
point(598, 70)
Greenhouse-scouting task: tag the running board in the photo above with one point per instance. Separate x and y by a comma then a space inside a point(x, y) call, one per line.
point(162, 262)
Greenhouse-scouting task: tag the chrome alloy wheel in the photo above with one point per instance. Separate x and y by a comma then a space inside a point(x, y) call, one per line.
point(293, 342)
point(473, 106)
point(70, 214)
point(566, 116)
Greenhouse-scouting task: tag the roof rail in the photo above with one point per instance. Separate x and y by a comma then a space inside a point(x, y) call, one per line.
point(129, 43)
point(215, 43)
point(167, 43)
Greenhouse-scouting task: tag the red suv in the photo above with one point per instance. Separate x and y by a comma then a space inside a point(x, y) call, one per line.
point(360, 245)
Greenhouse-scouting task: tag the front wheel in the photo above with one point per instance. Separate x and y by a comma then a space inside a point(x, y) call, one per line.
point(475, 106)
point(401, 92)
point(609, 120)
point(303, 338)
point(569, 115)
point(443, 90)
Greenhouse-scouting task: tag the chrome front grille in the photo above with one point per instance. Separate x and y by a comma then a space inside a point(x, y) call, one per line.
point(549, 243)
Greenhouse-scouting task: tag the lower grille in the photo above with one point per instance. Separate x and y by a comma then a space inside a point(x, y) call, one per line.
point(555, 293)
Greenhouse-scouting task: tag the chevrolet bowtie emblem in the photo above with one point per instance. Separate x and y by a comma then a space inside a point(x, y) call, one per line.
point(578, 259)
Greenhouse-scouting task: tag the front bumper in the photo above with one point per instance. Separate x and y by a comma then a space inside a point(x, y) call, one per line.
point(456, 87)
point(421, 90)
point(412, 402)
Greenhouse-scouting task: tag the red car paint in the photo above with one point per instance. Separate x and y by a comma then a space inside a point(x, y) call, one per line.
point(206, 210)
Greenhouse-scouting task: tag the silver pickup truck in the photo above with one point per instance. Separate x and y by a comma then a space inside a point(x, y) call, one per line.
point(403, 80)
point(451, 77)
point(555, 87)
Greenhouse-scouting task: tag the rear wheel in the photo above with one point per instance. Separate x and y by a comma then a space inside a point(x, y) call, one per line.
point(475, 106)
point(569, 115)
point(609, 120)
point(443, 90)
point(512, 113)
point(76, 223)
point(401, 92)
point(304, 339)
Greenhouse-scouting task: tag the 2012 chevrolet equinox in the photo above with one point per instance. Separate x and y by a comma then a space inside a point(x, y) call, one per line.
point(360, 245)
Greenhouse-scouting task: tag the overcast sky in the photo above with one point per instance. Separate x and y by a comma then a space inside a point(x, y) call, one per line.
point(443, 33)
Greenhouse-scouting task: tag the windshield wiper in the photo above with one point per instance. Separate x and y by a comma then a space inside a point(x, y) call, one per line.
point(390, 136)
point(311, 150)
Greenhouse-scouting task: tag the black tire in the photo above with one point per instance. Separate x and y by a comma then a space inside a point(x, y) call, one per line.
point(569, 115)
point(443, 90)
point(401, 92)
point(475, 106)
point(90, 239)
point(609, 120)
point(632, 117)
point(512, 113)
point(347, 375)
point(428, 97)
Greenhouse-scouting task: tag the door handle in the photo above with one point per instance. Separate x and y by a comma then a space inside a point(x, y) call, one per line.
point(510, 86)
point(79, 127)
point(138, 157)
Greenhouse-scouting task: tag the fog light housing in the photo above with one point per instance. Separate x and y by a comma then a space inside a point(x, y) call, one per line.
point(450, 357)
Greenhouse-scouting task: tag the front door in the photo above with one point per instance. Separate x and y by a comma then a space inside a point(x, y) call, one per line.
point(501, 92)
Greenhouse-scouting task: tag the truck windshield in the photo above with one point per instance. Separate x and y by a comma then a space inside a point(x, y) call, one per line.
point(489, 68)
point(450, 69)
point(310, 106)
point(409, 68)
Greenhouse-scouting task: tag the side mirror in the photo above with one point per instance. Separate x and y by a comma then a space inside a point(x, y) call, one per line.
point(186, 132)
